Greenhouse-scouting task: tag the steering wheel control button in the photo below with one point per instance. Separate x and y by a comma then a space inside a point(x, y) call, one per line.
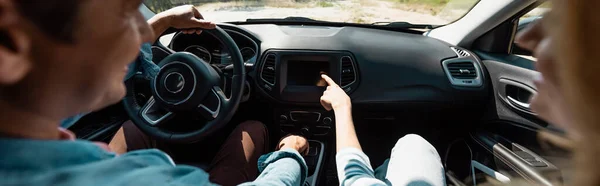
point(174, 82)
point(327, 121)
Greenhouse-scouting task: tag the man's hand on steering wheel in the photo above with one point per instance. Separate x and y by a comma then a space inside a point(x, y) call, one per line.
point(186, 18)
point(186, 84)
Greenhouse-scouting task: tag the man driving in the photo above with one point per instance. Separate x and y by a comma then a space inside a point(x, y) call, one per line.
point(59, 58)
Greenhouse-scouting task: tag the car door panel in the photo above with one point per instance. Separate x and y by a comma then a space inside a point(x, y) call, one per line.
point(100, 125)
point(516, 95)
point(515, 159)
point(510, 76)
point(507, 140)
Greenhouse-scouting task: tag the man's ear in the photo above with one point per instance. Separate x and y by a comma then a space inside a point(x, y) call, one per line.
point(15, 45)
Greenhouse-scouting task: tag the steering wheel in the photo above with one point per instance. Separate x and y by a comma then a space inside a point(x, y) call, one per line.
point(187, 85)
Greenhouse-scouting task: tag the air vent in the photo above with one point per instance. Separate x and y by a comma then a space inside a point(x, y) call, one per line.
point(460, 52)
point(268, 70)
point(463, 72)
point(348, 72)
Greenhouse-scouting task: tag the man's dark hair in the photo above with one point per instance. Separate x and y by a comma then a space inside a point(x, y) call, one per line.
point(57, 18)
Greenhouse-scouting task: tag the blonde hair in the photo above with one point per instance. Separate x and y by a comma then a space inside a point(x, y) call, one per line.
point(577, 46)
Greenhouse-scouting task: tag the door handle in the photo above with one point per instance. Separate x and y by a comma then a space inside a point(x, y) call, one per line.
point(516, 95)
point(519, 104)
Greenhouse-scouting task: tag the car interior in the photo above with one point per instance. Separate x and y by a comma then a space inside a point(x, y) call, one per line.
point(465, 87)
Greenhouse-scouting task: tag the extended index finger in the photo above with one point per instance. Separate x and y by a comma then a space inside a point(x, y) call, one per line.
point(328, 80)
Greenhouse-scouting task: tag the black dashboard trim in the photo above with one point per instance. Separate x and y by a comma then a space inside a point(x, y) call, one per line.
point(332, 24)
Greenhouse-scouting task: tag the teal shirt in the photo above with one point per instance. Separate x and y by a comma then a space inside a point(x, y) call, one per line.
point(77, 163)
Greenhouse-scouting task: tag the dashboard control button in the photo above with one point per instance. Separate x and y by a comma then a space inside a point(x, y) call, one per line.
point(283, 119)
point(305, 116)
point(304, 131)
point(327, 121)
point(319, 131)
point(286, 129)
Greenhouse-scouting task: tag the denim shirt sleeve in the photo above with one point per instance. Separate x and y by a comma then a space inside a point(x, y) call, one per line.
point(284, 167)
point(143, 65)
point(354, 168)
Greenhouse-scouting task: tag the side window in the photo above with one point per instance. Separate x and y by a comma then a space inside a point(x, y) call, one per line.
point(531, 17)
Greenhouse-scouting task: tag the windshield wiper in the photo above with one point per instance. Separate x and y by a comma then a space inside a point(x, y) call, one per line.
point(404, 25)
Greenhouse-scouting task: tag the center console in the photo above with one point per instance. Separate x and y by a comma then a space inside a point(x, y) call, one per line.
point(292, 79)
point(289, 76)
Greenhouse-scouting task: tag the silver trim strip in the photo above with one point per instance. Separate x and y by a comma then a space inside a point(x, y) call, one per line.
point(214, 113)
point(312, 179)
point(490, 172)
point(524, 106)
point(167, 77)
point(458, 53)
point(274, 67)
point(353, 69)
point(147, 107)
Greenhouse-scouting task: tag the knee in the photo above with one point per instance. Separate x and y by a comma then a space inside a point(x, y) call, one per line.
point(256, 133)
point(413, 141)
point(413, 138)
point(253, 127)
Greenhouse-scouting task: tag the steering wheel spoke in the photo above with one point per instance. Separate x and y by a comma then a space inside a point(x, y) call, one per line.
point(211, 105)
point(155, 115)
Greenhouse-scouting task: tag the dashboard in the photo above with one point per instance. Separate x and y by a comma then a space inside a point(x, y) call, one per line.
point(392, 77)
point(374, 66)
point(389, 75)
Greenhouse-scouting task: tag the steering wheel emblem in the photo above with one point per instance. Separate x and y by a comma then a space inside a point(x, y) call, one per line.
point(174, 82)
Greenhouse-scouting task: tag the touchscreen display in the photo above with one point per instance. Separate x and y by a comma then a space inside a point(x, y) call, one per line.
point(307, 73)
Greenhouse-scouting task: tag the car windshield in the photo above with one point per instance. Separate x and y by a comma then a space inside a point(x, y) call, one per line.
point(424, 12)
